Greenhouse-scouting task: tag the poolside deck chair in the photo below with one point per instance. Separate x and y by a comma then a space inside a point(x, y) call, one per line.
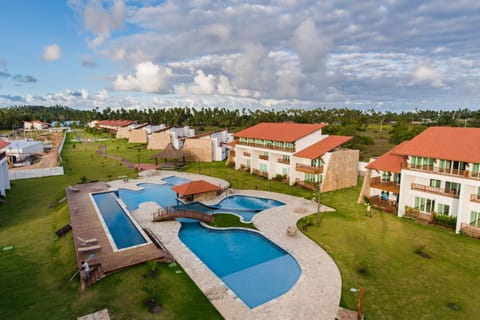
point(87, 242)
point(89, 248)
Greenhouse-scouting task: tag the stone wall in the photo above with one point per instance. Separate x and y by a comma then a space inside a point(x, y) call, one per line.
point(159, 140)
point(138, 136)
point(341, 171)
point(198, 149)
point(123, 133)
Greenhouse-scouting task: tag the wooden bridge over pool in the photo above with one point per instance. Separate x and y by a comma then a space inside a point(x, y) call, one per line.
point(165, 214)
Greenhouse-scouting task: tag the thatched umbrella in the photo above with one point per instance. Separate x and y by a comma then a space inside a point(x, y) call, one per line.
point(170, 154)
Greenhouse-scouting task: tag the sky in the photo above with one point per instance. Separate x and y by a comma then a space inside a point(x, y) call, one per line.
point(388, 55)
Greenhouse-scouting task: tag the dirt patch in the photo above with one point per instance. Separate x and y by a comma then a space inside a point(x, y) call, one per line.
point(49, 159)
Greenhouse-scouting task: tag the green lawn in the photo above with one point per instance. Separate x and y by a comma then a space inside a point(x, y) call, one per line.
point(35, 275)
point(223, 220)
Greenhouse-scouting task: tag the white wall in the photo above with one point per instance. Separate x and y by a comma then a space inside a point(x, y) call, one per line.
point(35, 173)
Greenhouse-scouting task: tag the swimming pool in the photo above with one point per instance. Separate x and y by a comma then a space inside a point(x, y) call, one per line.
point(252, 266)
point(120, 227)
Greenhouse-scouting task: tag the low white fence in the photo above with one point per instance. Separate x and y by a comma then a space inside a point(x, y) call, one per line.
point(35, 173)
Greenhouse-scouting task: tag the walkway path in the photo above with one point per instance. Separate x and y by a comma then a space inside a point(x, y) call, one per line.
point(316, 295)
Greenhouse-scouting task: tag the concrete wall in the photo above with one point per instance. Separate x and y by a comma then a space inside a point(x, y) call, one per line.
point(199, 149)
point(138, 136)
point(205, 196)
point(123, 133)
point(4, 179)
point(341, 171)
point(159, 140)
point(35, 173)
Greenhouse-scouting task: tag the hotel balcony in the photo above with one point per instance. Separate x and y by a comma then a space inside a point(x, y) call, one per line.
point(309, 169)
point(245, 167)
point(247, 154)
point(435, 190)
point(391, 186)
point(451, 172)
point(418, 215)
point(475, 197)
point(280, 160)
point(385, 205)
point(260, 173)
point(306, 184)
point(262, 146)
point(263, 157)
point(470, 231)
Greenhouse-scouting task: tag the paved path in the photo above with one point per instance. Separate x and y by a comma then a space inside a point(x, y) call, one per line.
point(316, 295)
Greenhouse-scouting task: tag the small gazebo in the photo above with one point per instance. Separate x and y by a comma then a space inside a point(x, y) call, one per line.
point(197, 190)
point(171, 157)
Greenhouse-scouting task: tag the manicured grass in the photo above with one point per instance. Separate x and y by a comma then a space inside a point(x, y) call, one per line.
point(35, 275)
point(224, 220)
point(378, 253)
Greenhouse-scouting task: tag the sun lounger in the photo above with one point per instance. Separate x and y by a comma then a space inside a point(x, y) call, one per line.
point(89, 248)
point(87, 242)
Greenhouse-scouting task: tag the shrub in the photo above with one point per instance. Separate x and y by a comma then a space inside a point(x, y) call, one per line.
point(446, 221)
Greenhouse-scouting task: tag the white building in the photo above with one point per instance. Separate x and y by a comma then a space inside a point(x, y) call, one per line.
point(437, 172)
point(298, 154)
point(209, 146)
point(4, 179)
point(19, 150)
point(35, 125)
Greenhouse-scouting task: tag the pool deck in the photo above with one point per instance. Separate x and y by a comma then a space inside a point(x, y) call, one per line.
point(316, 295)
point(86, 224)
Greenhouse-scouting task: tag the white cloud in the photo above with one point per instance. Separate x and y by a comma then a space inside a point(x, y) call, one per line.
point(149, 77)
point(51, 52)
point(426, 74)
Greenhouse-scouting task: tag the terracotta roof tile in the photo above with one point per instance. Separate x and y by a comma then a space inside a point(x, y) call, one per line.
point(195, 187)
point(389, 161)
point(115, 123)
point(321, 147)
point(449, 143)
point(4, 144)
point(284, 131)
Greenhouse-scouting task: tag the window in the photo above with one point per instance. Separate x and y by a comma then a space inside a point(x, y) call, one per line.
point(475, 219)
point(475, 167)
point(313, 178)
point(443, 209)
point(452, 187)
point(285, 171)
point(386, 176)
point(248, 163)
point(445, 165)
point(286, 157)
point(396, 177)
point(435, 183)
point(263, 167)
point(425, 205)
point(316, 163)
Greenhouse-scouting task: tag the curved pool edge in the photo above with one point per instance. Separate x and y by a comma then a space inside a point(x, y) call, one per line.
point(316, 294)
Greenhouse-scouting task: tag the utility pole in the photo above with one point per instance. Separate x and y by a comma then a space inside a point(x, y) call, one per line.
point(318, 202)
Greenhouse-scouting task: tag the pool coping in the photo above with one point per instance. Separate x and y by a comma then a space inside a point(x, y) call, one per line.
point(317, 292)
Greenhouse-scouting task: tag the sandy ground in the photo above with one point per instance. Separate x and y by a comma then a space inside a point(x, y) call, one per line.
point(47, 159)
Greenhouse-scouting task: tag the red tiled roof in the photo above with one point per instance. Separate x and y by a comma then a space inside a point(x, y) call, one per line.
point(195, 187)
point(115, 123)
point(285, 131)
point(321, 147)
point(449, 143)
point(4, 144)
point(389, 161)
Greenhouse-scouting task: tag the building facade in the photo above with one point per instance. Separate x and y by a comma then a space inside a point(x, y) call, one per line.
point(297, 154)
point(435, 173)
point(4, 179)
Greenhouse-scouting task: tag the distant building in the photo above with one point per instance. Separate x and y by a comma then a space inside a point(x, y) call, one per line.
point(35, 125)
point(437, 172)
point(210, 146)
point(110, 125)
point(298, 153)
point(20, 151)
point(4, 179)
point(160, 138)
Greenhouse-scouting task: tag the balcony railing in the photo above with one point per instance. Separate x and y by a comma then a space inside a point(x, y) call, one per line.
point(418, 215)
point(263, 146)
point(263, 157)
point(260, 173)
point(435, 190)
point(244, 167)
point(306, 184)
point(391, 186)
point(475, 197)
point(385, 205)
point(308, 169)
point(452, 172)
point(470, 231)
point(247, 154)
point(284, 161)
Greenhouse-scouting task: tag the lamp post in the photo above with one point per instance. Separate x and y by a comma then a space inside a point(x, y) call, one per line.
point(318, 202)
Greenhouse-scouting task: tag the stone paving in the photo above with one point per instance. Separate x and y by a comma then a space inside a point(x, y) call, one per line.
point(316, 295)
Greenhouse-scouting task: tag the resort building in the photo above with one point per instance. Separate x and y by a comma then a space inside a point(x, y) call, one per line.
point(437, 172)
point(210, 146)
point(159, 139)
point(20, 152)
point(4, 179)
point(110, 125)
point(35, 125)
point(297, 154)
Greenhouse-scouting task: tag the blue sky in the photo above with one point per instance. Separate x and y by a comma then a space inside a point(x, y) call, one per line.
point(387, 55)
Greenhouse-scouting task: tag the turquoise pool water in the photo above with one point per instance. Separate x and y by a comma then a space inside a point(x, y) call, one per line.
point(123, 231)
point(252, 266)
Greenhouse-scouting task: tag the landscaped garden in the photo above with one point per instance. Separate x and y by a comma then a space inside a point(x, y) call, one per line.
point(408, 270)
